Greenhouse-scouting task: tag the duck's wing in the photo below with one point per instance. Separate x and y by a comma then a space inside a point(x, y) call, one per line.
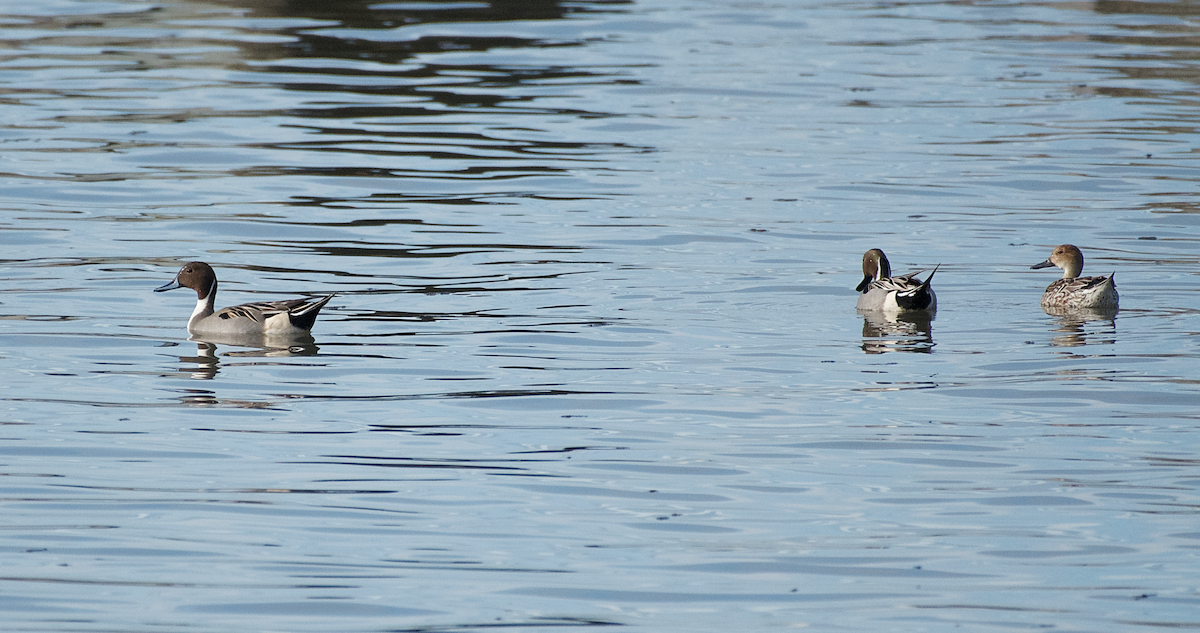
point(260, 311)
point(897, 284)
point(1081, 292)
point(1081, 285)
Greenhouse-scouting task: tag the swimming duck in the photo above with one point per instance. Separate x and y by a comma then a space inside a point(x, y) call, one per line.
point(289, 318)
point(1072, 291)
point(881, 291)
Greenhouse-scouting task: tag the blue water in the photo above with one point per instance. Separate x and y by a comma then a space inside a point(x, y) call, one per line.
point(594, 359)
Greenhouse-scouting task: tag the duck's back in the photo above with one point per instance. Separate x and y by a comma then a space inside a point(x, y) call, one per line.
point(1081, 292)
point(884, 294)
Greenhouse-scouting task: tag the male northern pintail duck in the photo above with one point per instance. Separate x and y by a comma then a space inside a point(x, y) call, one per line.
point(1072, 291)
point(881, 291)
point(290, 318)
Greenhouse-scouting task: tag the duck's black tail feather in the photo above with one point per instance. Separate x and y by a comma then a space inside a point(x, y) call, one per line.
point(917, 298)
point(305, 316)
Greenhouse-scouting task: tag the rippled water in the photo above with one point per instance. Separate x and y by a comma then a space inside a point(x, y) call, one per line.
point(594, 359)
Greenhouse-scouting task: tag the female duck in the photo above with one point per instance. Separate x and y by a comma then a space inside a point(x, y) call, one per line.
point(290, 318)
point(881, 291)
point(1075, 292)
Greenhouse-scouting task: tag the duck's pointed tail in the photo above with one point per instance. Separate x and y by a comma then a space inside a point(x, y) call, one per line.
point(919, 297)
point(305, 316)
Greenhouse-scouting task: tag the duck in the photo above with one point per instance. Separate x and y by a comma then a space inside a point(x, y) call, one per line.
point(883, 292)
point(1072, 291)
point(288, 318)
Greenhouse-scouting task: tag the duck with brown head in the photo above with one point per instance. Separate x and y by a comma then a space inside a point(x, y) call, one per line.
point(1072, 291)
point(880, 291)
point(288, 318)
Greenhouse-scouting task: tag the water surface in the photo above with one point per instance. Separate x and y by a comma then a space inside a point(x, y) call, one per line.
point(594, 359)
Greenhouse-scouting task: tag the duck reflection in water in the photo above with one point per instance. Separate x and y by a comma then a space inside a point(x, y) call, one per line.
point(1082, 326)
point(903, 332)
point(207, 360)
point(207, 364)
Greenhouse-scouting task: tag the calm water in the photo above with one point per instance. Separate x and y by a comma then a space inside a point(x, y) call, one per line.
point(594, 360)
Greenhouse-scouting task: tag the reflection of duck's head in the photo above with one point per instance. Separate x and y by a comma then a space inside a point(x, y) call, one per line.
point(1067, 257)
point(875, 267)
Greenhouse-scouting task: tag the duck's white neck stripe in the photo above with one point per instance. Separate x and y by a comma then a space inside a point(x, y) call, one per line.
point(212, 290)
point(204, 308)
